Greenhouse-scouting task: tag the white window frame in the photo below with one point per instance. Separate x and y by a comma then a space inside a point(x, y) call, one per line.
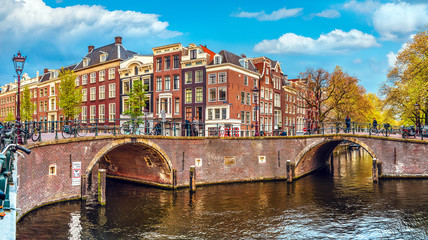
point(111, 73)
point(102, 92)
point(111, 112)
point(102, 75)
point(112, 90)
point(93, 77)
point(101, 113)
point(92, 94)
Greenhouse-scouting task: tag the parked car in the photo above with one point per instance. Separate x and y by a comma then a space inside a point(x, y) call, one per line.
point(425, 130)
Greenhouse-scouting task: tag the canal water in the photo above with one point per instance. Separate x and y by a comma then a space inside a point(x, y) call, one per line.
point(336, 203)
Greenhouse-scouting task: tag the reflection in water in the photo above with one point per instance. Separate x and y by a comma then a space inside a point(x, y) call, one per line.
point(338, 202)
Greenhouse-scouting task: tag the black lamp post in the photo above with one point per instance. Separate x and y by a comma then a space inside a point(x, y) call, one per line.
point(256, 96)
point(18, 63)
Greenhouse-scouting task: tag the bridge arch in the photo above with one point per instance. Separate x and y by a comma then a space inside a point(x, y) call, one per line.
point(308, 159)
point(134, 159)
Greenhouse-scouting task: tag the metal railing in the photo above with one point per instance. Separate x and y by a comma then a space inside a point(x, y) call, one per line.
point(37, 131)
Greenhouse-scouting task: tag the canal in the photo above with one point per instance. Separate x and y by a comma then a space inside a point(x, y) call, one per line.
point(337, 202)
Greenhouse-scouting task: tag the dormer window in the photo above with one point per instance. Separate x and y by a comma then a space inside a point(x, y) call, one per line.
point(103, 57)
point(54, 74)
point(217, 59)
point(193, 54)
point(86, 62)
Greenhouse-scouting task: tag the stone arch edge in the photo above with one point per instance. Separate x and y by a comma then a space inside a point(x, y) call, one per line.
point(311, 146)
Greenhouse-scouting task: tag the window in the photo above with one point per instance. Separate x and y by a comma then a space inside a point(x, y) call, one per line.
point(199, 94)
point(52, 90)
point(167, 83)
point(84, 79)
point(102, 92)
point(212, 78)
point(167, 62)
point(101, 112)
point(193, 54)
point(243, 97)
point(111, 73)
point(270, 108)
point(262, 109)
point(176, 106)
point(103, 57)
point(176, 82)
point(125, 106)
point(277, 100)
point(84, 113)
point(188, 112)
point(136, 70)
point(112, 90)
point(102, 75)
point(246, 80)
point(52, 104)
point(176, 61)
point(158, 64)
point(222, 77)
point(92, 113)
point(266, 108)
point(46, 93)
point(247, 117)
point(147, 84)
point(85, 62)
point(217, 59)
point(242, 117)
point(255, 82)
point(92, 95)
point(223, 113)
point(159, 84)
point(76, 82)
point(188, 95)
point(248, 98)
point(84, 95)
point(111, 111)
point(210, 114)
point(271, 94)
point(267, 80)
point(217, 113)
point(262, 93)
point(126, 87)
point(222, 94)
point(92, 78)
point(41, 107)
point(199, 76)
point(212, 97)
point(188, 77)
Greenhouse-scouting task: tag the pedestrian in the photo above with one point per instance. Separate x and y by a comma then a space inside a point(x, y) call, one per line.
point(195, 127)
point(374, 123)
point(187, 126)
point(348, 124)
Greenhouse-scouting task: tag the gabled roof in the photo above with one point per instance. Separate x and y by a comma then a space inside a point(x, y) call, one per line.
point(46, 76)
point(114, 51)
point(228, 57)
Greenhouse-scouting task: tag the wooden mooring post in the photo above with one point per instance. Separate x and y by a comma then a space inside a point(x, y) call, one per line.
point(192, 176)
point(102, 186)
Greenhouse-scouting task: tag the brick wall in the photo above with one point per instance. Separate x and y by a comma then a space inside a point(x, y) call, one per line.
point(223, 160)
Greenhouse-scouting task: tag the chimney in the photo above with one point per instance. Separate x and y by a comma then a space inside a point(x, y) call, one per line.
point(45, 71)
point(118, 40)
point(90, 48)
point(243, 55)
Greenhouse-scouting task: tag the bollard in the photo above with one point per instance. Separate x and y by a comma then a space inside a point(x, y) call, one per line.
point(289, 174)
point(192, 176)
point(375, 171)
point(102, 187)
point(56, 130)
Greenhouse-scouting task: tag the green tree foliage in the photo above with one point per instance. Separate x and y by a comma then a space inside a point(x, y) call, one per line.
point(70, 97)
point(407, 83)
point(136, 100)
point(27, 107)
point(10, 117)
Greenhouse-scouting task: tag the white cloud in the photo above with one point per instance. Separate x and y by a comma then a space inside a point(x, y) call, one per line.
point(368, 6)
point(357, 61)
point(334, 42)
point(329, 13)
point(34, 20)
point(392, 57)
point(274, 16)
point(396, 20)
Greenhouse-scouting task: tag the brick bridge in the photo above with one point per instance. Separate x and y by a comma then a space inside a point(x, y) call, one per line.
point(45, 176)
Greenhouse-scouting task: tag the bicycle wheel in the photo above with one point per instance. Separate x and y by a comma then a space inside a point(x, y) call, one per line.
point(66, 131)
point(81, 131)
point(36, 134)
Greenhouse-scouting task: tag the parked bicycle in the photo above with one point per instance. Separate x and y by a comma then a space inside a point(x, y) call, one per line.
point(385, 131)
point(73, 129)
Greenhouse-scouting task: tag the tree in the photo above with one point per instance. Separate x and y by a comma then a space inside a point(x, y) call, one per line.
point(27, 107)
point(406, 84)
point(10, 117)
point(136, 100)
point(327, 93)
point(70, 97)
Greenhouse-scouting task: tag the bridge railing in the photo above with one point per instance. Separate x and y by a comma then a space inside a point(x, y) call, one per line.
point(94, 127)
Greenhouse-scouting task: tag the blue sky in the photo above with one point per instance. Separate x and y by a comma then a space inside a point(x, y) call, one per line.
point(361, 36)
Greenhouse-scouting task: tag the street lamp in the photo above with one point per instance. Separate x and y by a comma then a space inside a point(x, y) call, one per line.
point(256, 96)
point(18, 63)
